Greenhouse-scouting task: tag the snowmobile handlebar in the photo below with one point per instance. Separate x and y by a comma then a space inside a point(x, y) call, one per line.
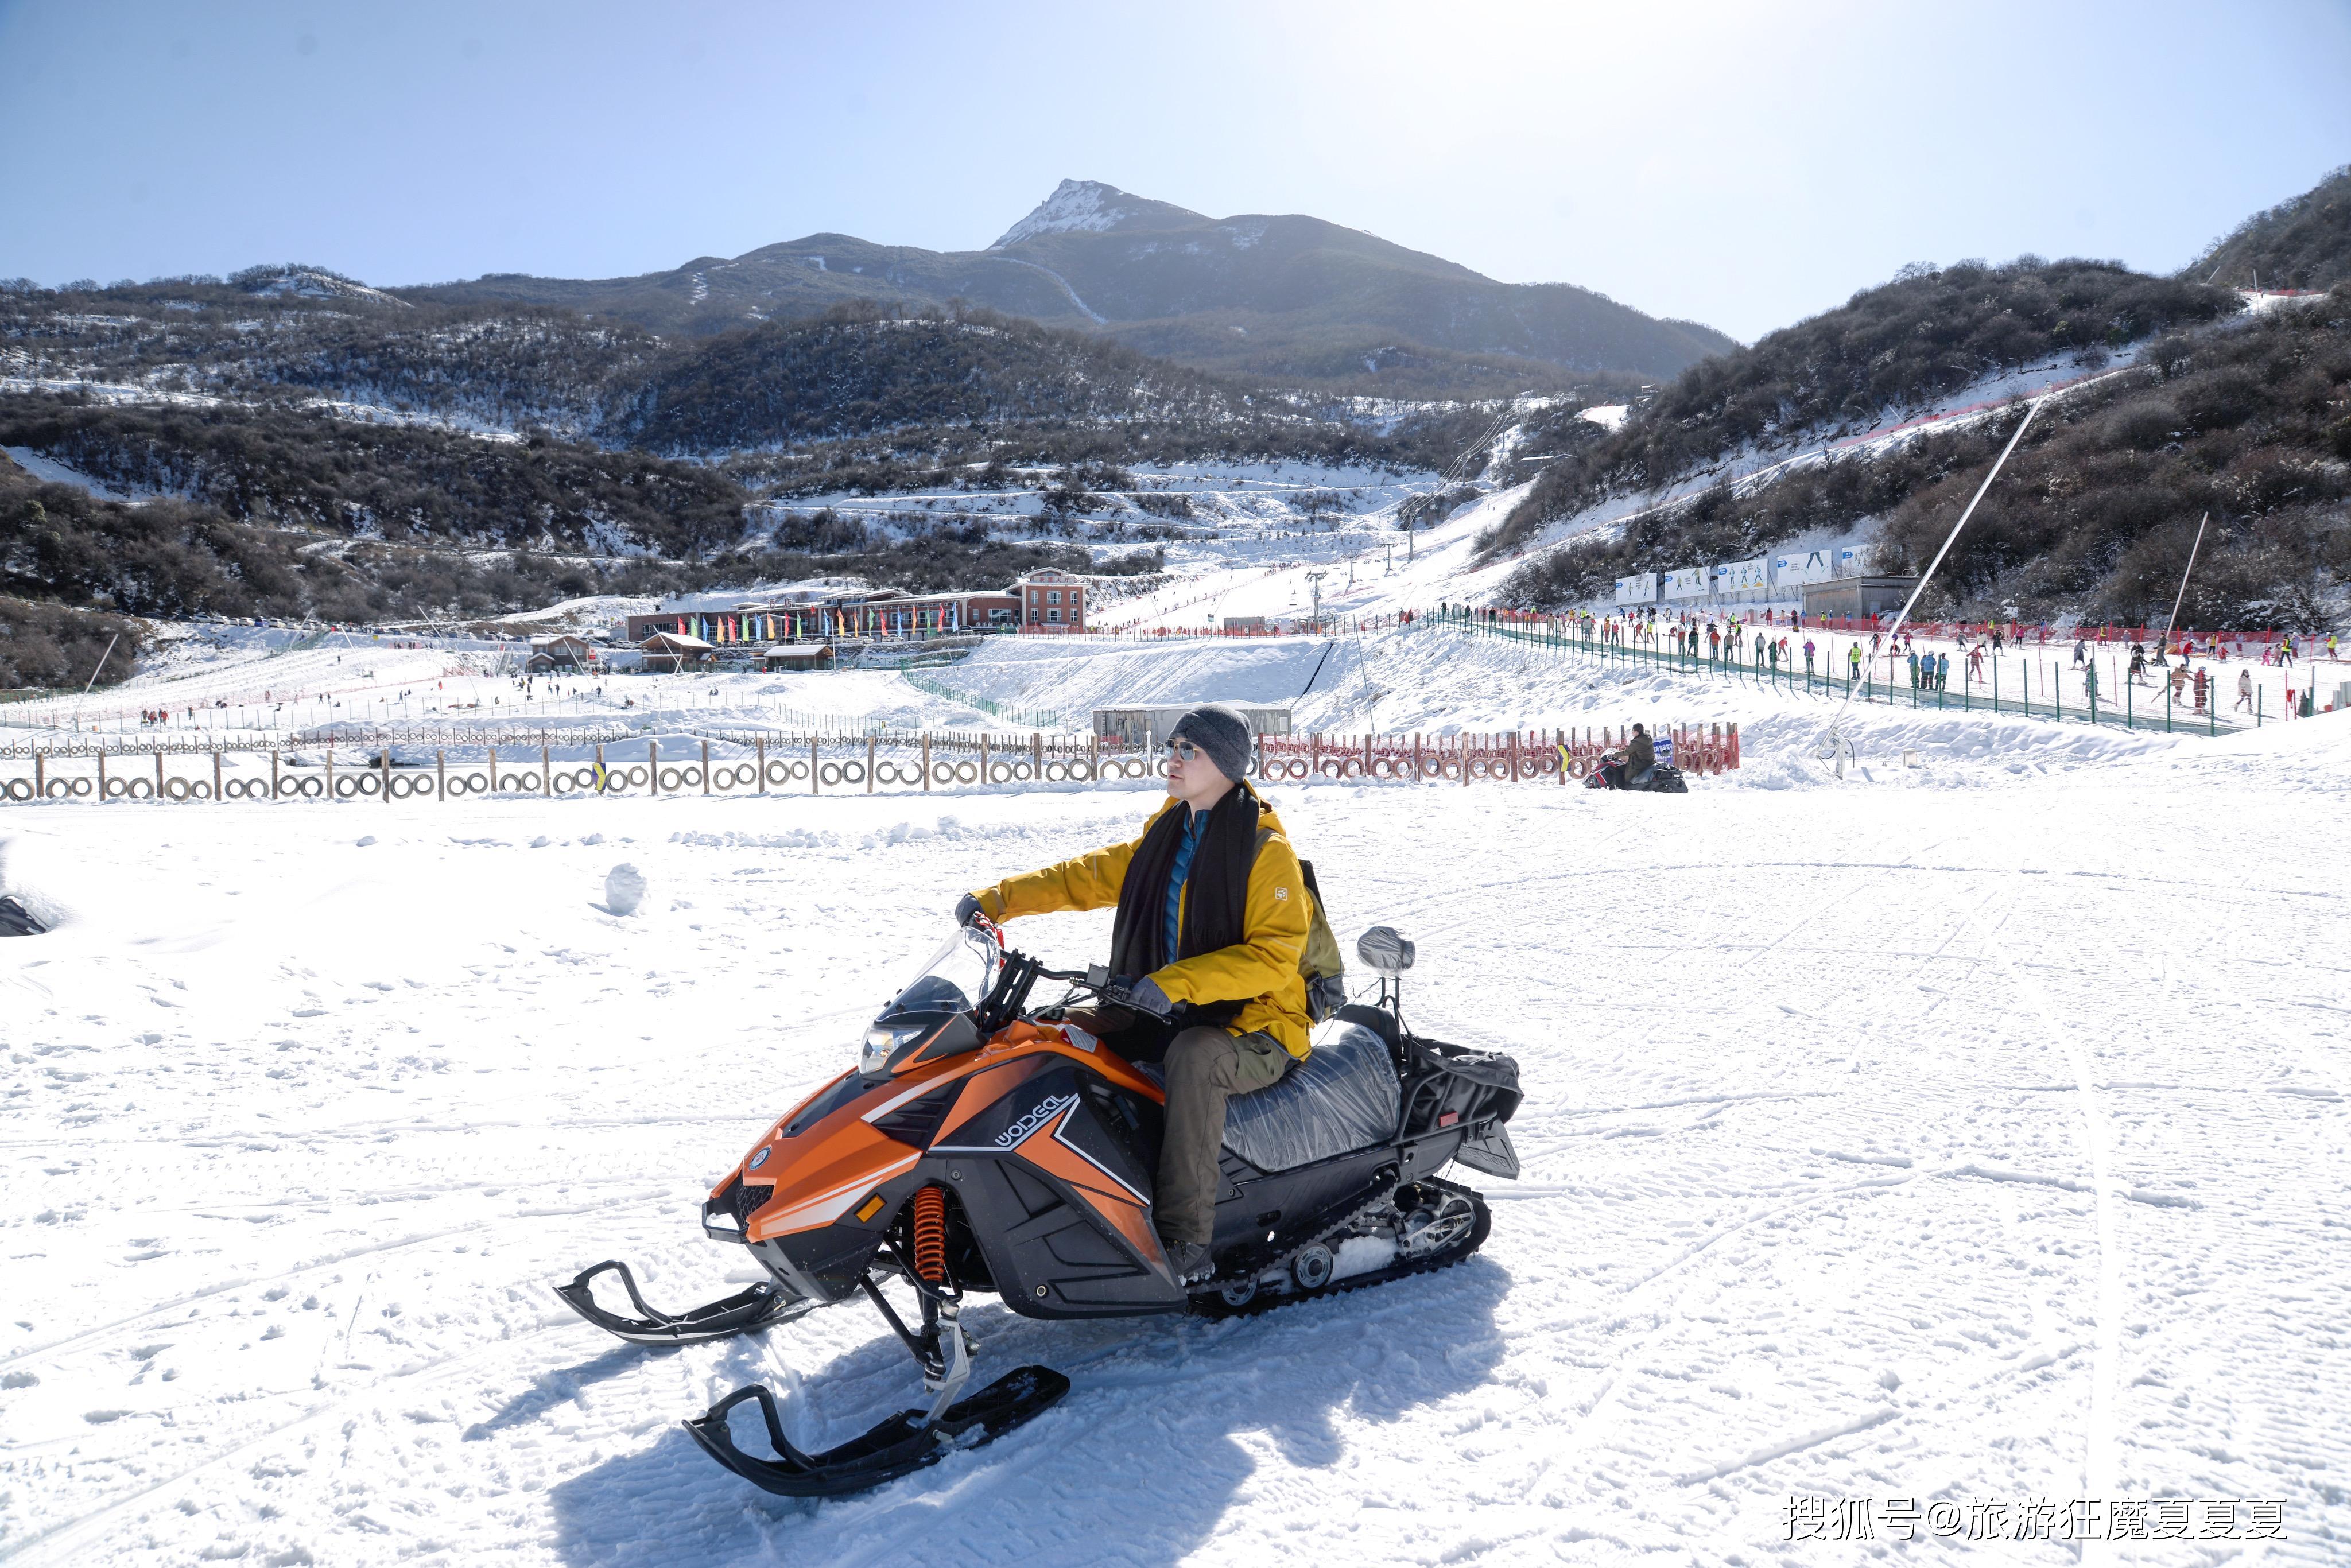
point(1018, 974)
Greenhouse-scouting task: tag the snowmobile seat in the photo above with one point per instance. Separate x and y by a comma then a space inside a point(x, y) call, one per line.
point(1342, 1098)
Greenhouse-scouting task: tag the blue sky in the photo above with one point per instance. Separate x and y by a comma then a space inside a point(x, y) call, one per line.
point(1740, 164)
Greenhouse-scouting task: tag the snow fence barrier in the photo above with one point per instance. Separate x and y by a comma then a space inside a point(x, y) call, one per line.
point(815, 765)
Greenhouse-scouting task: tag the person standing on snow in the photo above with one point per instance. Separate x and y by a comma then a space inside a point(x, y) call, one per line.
point(1212, 919)
point(1808, 658)
point(1914, 669)
point(2245, 690)
point(2081, 651)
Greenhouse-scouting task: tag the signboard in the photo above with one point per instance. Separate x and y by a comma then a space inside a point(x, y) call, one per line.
point(1688, 583)
point(1743, 576)
point(1639, 590)
point(1798, 567)
point(1852, 561)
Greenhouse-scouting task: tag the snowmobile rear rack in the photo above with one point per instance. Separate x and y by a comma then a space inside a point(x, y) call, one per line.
point(756, 1308)
point(899, 1446)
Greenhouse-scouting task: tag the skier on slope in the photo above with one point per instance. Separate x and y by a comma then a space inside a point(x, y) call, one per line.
point(1212, 919)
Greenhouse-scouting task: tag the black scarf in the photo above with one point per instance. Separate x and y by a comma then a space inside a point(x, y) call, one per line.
point(1216, 901)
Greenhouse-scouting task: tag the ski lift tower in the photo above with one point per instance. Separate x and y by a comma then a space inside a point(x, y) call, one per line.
point(1314, 580)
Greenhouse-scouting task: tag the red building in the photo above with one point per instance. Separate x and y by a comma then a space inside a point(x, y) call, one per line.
point(1051, 601)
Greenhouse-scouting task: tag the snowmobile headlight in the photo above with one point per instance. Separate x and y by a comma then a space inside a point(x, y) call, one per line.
point(882, 1043)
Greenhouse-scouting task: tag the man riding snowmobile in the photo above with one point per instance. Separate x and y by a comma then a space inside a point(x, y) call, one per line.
point(1213, 916)
point(1640, 762)
point(988, 1141)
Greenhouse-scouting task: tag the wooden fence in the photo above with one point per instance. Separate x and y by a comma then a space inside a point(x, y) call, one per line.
point(765, 764)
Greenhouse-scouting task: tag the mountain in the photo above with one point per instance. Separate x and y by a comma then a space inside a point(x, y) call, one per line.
point(2305, 242)
point(1287, 298)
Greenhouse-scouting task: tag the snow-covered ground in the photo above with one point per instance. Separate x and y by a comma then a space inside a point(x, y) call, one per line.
point(1983, 1143)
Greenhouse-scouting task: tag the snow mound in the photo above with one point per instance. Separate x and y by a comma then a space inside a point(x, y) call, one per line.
point(624, 889)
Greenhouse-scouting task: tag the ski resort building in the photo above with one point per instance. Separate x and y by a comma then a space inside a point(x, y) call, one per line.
point(666, 652)
point(798, 616)
point(1051, 601)
point(1858, 596)
point(551, 654)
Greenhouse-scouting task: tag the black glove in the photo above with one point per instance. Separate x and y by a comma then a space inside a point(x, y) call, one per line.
point(1143, 996)
point(966, 909)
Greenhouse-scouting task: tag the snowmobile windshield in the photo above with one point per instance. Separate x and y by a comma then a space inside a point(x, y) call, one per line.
point(933, 1006)
point(957, 975)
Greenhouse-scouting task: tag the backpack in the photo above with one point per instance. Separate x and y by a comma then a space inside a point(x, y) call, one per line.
point(1322, 964)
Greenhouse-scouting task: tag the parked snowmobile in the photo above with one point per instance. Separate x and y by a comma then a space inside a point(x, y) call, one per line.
point(1664, 778)
point(979, 1145)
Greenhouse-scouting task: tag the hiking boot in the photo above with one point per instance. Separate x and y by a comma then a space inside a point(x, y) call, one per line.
point(1190, 1262)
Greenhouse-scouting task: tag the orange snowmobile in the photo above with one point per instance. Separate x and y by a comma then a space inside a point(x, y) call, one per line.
point(982, 1146)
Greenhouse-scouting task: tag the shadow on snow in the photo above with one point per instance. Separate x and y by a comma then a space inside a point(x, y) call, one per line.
point(1138, 1465)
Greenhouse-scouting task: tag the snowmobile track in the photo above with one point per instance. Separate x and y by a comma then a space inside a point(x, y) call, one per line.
point(1215, 1308)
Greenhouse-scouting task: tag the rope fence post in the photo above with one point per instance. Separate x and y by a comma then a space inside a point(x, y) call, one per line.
point(546, 773)
point(653, 766)
point(440, 776)
point(386, 759)
point(868, 762)
point(812, 765)
point(273, 772)
point(759, 748)
point(926, 762)
point(705, 767)
point(217, 776)
point(331, 771)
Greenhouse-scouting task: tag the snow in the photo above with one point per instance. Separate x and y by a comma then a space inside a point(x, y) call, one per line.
point(1076, 206)
point(1979, 1143)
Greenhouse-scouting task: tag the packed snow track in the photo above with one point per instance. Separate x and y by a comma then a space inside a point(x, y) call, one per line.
point(1982, 1141)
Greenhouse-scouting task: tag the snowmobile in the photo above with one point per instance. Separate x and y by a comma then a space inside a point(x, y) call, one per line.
point(982, 1146)
point(1664, 779)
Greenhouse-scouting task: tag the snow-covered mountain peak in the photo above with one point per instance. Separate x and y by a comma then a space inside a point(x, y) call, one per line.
point(1089, 207)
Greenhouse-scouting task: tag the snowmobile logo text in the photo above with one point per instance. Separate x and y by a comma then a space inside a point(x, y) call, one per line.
point(1034, 1120)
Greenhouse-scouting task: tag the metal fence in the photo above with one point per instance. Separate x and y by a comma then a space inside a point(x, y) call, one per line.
point(1583, 641)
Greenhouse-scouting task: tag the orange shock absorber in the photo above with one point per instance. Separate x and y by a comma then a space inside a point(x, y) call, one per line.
point(931, 1235)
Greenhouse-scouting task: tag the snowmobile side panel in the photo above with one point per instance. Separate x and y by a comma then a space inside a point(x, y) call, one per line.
point(1048, 1131)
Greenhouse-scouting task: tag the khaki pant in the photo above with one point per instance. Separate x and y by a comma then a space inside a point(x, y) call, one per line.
point(1205, 1068)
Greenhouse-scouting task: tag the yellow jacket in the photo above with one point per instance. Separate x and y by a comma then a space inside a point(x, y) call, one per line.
point(1261, 970)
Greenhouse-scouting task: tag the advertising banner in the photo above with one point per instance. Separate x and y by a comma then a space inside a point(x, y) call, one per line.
point(1743, 576)
point(1688, 583)
point(1639, 590)
point(1798, 567)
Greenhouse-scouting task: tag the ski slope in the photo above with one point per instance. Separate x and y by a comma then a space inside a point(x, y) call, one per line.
point(1967, 1131)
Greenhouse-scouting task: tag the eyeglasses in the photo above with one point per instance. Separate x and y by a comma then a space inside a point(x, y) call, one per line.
point(1182, 750)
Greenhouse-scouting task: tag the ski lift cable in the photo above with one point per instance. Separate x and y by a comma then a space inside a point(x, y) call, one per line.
point(2031, 409)
point(2173, 623)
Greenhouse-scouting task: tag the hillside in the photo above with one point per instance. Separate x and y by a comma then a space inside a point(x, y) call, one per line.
point(2305, 242)
point(2248, 422)
point(858, 373)
point(1292, 299)
point(1929, 333)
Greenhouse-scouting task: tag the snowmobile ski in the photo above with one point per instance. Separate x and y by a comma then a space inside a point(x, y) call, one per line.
point(756, 1308)
point(900, 1445)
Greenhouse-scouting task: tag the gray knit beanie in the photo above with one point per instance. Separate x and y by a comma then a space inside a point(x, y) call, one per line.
point(1222, 732)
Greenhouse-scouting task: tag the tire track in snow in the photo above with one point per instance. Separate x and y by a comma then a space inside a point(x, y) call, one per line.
point(2098, 1476)
point(334, 1260)
point(58, 1535)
